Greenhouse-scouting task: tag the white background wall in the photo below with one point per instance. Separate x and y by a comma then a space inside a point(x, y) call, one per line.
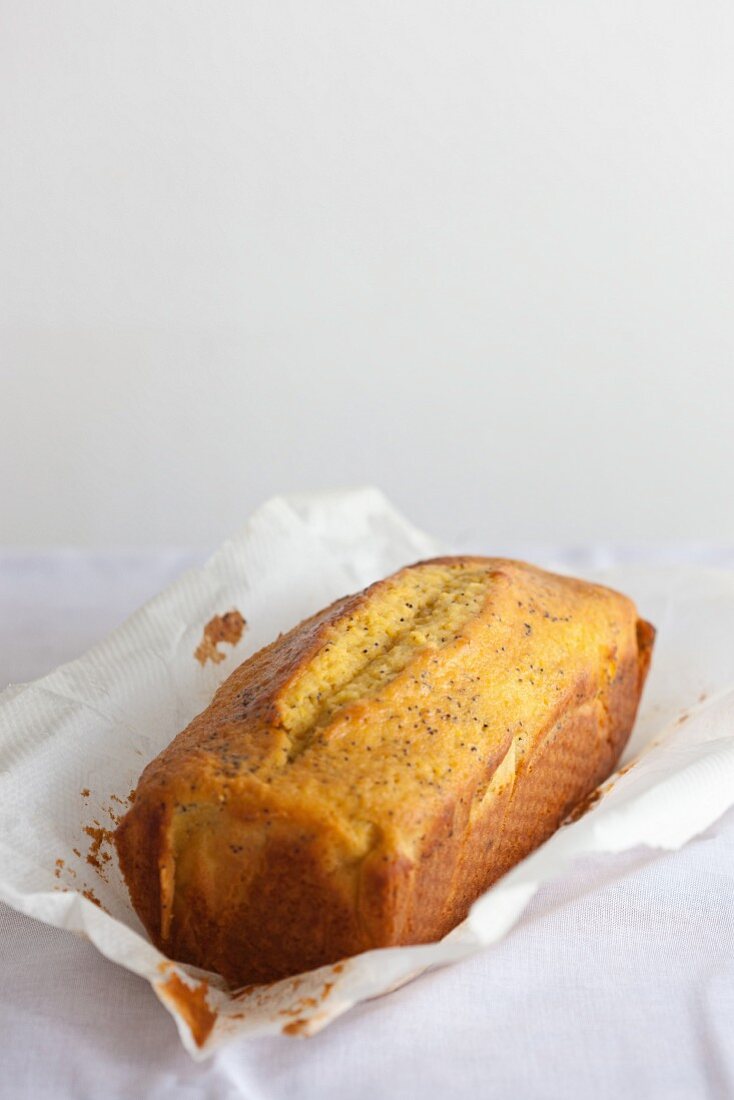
point(478, 253)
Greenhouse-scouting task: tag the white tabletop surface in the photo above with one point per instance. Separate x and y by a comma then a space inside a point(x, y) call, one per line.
point(618, 981)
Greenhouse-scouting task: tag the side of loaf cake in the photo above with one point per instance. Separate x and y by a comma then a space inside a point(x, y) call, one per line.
point(359, 782)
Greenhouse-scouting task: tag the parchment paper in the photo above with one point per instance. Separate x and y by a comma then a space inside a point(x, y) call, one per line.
point(73, 744)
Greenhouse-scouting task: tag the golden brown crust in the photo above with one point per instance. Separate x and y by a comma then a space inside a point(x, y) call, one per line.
point(259, 855)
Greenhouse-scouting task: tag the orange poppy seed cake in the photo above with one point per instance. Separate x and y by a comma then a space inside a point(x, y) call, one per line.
point(359, 782)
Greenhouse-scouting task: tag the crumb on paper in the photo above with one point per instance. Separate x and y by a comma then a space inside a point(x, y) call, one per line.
point(102, 837)
point(59, 866)
point(115, 816)
point(98, 855)
point(225, 628)
point(85, 792)
point(682, 718)
point(192, 1004)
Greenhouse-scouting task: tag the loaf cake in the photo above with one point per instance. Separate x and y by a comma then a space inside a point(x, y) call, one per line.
point(361, 780)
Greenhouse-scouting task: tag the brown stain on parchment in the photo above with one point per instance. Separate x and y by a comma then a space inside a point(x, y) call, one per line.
point(259, 993)
point(596, 795)
point(585, 805)
point(297, 1008)
point(295, 1027)
point(191, 1004)
point(303, 1008)
point(240, 994)
point(91, 896)
point(225, 628)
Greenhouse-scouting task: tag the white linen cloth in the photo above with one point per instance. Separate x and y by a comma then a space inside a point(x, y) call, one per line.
point(609, 984)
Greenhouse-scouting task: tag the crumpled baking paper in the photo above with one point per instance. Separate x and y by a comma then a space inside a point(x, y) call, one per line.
point(73, 744)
